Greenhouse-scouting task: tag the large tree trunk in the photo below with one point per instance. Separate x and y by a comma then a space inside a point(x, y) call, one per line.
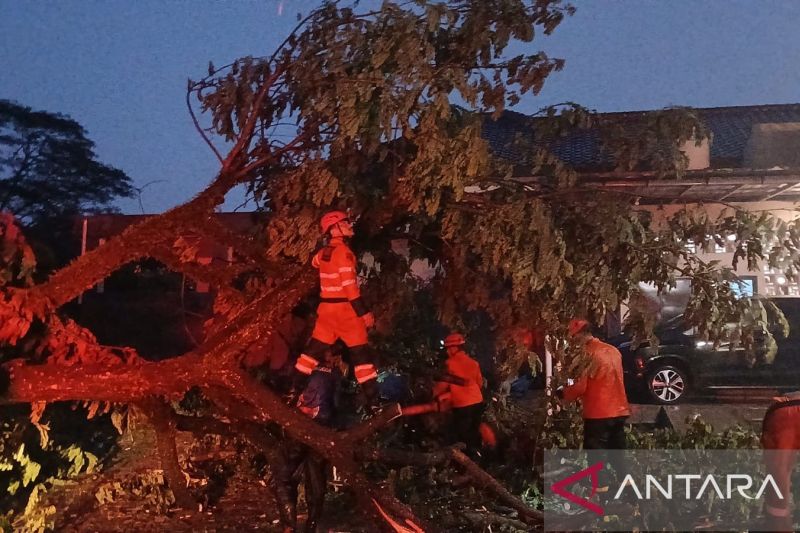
point(163, 419)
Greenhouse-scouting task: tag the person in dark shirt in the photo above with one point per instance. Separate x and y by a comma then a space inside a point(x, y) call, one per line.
point(318, 402)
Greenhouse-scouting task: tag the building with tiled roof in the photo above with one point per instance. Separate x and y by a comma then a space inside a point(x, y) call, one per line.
point(753, 154)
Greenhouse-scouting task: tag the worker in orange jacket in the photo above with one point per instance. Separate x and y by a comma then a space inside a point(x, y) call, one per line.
point(467, 399)
point(342, 313)
point(780, 438)
point(605, 404)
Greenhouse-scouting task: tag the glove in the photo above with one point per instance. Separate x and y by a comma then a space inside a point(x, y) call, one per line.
point(369, 320)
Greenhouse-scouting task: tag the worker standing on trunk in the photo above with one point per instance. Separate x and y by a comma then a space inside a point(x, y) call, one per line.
point(342, 313)
point(467, 399)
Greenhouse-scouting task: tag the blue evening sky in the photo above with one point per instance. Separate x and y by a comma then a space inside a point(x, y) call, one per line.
point(120, 67)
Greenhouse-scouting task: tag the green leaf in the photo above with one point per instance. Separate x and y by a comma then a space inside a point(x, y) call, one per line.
point(30, 472)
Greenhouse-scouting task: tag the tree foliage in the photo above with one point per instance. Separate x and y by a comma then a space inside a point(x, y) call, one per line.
point(48, 167)
point(369, 98)
point(356, 109)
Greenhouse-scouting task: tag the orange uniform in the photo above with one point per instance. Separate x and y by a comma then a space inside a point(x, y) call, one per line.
point(465, 367)
point(780, 438)
point(467, 399)
point(605, 405)
point(339, 312)
point(602, 388)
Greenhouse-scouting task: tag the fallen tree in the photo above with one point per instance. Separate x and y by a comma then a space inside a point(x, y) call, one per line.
point(354, 110)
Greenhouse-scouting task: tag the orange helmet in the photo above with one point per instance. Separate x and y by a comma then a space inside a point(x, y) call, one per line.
point(331, 218)
point(454, 339)
point(576, 325)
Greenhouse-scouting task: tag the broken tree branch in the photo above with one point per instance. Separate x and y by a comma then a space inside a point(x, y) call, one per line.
point(356, 435)
point(485, 481)
point(255, 403)
point(402, 457)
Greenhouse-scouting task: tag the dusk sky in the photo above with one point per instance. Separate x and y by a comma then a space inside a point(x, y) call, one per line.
point(119, 67)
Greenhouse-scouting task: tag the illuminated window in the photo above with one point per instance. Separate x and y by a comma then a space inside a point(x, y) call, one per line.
point(777, 283)
point(744, 286)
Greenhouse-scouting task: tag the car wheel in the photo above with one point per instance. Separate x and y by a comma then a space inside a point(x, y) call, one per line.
point(667, 384)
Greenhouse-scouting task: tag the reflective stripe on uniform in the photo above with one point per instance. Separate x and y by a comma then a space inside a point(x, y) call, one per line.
point(338, 271)
point(365, 372)
point(306, 364)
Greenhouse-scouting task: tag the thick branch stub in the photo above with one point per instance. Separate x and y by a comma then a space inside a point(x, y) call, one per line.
point(113, 383)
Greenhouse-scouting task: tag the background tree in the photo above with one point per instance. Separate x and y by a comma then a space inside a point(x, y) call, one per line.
point(355, 109)
point(49, 172)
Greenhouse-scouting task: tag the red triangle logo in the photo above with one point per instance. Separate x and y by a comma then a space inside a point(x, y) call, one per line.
point(560, 488)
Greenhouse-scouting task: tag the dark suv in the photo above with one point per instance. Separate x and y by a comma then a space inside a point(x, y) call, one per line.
point(684, 363)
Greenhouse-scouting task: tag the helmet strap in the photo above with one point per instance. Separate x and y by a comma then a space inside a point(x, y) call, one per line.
point(341, 234)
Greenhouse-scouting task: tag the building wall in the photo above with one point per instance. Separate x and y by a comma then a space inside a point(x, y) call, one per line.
point(768, 282)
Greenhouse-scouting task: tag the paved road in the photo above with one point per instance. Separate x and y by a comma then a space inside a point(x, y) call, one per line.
point(719, 415)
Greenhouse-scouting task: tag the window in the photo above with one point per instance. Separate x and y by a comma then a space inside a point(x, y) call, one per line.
point(777, 283)
point(744, 287)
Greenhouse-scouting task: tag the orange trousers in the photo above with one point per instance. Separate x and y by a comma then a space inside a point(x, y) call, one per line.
point(338, 320)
